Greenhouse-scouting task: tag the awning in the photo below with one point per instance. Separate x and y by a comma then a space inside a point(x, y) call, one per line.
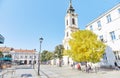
point(6, 58)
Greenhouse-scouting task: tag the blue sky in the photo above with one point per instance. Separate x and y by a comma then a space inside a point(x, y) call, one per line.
point(23, 22)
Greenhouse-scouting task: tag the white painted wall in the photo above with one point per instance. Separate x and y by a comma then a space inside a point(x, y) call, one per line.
point(105, 30)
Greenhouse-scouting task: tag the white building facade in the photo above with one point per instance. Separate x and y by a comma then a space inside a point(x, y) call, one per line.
point(107, 28)
point(24, 56)
point(21, 55)
point(71, 25)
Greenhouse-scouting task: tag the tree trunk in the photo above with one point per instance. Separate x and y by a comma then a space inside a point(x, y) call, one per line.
point(60, 63)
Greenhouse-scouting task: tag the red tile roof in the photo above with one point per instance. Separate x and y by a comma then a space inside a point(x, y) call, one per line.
point(5, 49)
point(21, 50)
point(8, 49)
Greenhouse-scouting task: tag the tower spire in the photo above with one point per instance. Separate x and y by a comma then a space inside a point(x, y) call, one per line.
point(70, 1)
point(70, 9)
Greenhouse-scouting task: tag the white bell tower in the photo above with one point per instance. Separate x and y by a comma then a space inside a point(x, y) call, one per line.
point(71, 25)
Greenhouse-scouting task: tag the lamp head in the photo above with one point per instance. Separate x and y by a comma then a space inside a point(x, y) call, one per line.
point(41, 39)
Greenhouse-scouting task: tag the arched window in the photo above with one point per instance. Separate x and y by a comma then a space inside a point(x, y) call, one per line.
point(73, 21)
point(67, 34)
point(67, 22)
point(67, 48)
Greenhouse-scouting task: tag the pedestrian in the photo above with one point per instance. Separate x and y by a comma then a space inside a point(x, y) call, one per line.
point(73, 65)
point(86, 68)
point(78, 66)
point(68, 62)
point(89, 68)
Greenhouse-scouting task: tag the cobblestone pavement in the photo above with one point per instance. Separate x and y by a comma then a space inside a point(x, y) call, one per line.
point(67, 72)
point(53, 71)
point(15, 72)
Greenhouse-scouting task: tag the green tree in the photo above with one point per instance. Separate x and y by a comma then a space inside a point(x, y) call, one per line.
point(1, 54)
point(59, 53)
point(46, 56)
point(85, 47)
point(43, 54)
point(49, 56)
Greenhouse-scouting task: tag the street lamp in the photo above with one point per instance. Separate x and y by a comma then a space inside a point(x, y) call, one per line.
point(41, 39)
point(34, 57)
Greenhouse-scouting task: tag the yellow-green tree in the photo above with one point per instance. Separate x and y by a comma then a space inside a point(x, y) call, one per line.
point(85, 47)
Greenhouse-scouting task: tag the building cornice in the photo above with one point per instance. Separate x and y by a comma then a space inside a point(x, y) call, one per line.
point(102, 15)
point(9, 49)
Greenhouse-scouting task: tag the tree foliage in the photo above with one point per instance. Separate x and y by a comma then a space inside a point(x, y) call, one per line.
point(85, 47)
point(1, 54)
point(59, 51)
point(46, 56)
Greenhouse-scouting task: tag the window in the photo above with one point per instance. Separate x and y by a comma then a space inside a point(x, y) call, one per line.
point(101, 38)
point(112, 34)
point(73, 21)
point(21, 56)
point(91, 28)
point(67, 47)
point(67, 22)
point(25, 56)
point(16, 57)
point(99, 24)
point(67, 34)
point(118, 57)
point(109, 18)
point(30, 56)
point(116, 53)
point(104, 56)
point(119, 10)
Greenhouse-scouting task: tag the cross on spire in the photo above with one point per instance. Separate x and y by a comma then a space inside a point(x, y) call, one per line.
point(70, 2)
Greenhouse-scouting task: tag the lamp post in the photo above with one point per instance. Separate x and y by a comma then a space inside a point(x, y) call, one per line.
point(34, 61)
point(34, 56)
point(41, 39)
